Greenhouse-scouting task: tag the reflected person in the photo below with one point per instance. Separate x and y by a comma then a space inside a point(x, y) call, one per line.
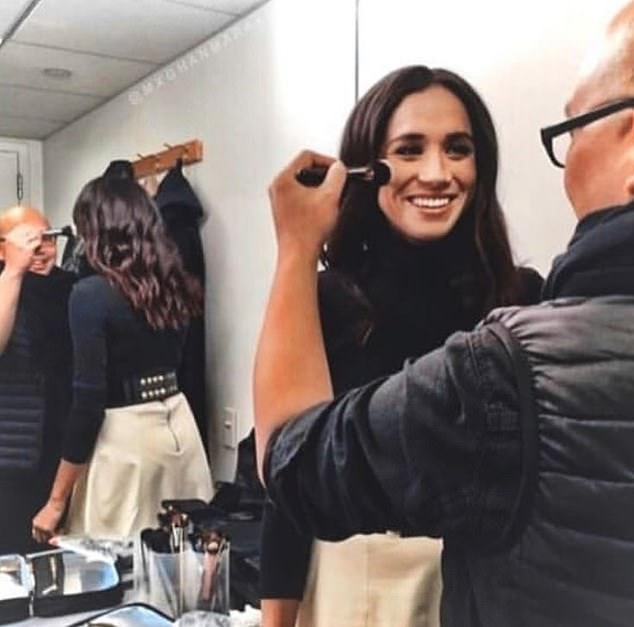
point(131, 439)
point(35, 371)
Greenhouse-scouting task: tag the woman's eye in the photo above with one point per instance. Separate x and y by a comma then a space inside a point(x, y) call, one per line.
point(409, 150)
point(460, 149)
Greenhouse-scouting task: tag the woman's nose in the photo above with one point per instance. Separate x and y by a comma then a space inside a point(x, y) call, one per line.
point(432, 169)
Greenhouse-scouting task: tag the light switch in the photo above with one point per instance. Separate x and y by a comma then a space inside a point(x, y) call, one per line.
point(229, 427)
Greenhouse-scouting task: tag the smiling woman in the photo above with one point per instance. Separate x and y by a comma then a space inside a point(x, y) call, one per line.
point(429, 145)
point(407, 264)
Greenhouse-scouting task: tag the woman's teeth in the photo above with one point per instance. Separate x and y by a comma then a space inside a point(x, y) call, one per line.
point(428, 202)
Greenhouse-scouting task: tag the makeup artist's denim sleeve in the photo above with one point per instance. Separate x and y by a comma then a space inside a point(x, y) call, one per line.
point(433, 450)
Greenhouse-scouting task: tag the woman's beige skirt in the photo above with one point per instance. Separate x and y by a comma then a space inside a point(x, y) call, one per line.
point(378, 580)
point(144, 454)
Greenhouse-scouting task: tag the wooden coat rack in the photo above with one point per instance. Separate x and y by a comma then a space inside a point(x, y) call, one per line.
point(189, 152)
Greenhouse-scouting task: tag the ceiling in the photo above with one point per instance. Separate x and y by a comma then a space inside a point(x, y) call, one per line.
point(107, 45)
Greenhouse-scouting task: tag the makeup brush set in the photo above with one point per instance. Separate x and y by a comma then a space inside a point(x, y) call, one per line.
point(181, 566)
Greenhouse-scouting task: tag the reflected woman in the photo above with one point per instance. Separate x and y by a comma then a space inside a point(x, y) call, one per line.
point(131, 438)
point(407, 264)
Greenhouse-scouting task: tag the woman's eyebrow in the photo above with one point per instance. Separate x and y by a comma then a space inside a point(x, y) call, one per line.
point(419, 137)
point(406, 137)
point(460, 135)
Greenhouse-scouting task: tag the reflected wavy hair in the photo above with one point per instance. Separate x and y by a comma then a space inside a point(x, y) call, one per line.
point(360, 217)
point(125, 241)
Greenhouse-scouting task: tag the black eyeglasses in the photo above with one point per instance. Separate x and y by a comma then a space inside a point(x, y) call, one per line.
point(557, 149)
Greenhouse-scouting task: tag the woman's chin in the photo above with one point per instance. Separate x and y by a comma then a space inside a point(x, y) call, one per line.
point(41, 268)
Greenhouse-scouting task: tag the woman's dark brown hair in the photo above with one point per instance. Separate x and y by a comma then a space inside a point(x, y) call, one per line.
point(360, 217)
point(125, 241)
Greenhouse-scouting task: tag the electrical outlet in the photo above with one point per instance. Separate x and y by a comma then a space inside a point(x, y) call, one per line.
point(229, 427)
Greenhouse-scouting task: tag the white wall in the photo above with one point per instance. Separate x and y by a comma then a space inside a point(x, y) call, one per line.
point(30, 151)
point(283, 79)
point(522, 57)
point(279, 80)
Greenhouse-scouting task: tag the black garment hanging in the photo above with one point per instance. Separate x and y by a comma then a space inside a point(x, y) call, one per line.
point(182, 214)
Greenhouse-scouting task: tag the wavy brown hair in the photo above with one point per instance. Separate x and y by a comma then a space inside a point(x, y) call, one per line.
point(125, 241)
point(360, 218)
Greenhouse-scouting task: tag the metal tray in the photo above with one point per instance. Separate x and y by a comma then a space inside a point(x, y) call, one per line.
point(133, 615)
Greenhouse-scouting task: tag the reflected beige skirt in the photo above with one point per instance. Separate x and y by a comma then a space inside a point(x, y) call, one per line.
point(378, 580)
point(144, 454)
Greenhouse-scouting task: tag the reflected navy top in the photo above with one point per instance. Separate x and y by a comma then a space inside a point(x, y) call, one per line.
point(112, 343)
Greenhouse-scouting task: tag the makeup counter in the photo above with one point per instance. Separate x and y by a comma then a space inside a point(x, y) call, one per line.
point(156, 581)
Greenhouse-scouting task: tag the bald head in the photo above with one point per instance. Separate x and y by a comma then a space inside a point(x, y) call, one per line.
point(22, 228)
point(623, 22)
point(600, 159)
point(607, 71)
point(13, 216)
point(618, 61)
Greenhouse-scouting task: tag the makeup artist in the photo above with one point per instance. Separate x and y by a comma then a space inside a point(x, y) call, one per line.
point(35, 371)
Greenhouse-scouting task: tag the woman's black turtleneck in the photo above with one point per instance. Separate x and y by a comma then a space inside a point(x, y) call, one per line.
point(405, 302)
point(408, 298)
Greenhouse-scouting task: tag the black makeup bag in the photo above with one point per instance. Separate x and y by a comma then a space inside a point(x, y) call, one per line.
point(55, 583)
point(15, 589)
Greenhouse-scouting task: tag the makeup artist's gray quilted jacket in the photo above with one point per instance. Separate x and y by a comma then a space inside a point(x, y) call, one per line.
point(571, 563)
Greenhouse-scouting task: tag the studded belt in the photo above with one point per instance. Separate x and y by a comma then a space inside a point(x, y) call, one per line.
point(152, 387)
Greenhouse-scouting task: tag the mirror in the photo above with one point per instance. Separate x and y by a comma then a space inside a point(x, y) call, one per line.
point(277, 76)
point(245, 93)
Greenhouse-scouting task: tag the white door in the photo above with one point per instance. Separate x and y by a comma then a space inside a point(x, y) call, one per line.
point(11, 186)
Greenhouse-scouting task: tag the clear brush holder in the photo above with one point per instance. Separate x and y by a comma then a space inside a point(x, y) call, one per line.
point(203, 619)
point(184, 580)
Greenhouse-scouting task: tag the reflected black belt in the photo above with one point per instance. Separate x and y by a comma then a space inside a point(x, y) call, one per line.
point(156, 386)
